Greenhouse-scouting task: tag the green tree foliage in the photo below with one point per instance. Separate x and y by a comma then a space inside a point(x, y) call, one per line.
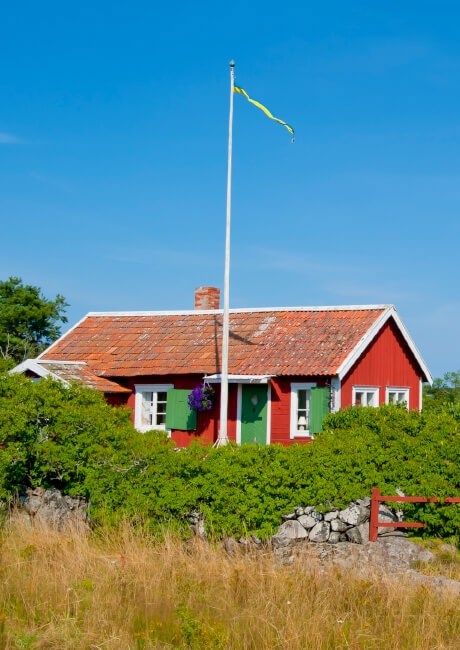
point(444, 393)
point(28, 321)
point(71, 439)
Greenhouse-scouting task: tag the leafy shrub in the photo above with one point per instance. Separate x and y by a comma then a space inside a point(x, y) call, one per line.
point(71, 439)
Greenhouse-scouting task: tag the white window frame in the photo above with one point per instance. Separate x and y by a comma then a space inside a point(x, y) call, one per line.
point(367, 389)
point(397, 389)
point(294, 431)
point(147, 388)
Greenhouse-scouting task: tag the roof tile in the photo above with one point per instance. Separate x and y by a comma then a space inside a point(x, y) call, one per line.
point(274, 342)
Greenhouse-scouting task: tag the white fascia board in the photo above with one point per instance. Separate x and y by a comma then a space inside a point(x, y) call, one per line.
point(244, 310)
point(238, 379)
point(390, 312)
point(33, 366)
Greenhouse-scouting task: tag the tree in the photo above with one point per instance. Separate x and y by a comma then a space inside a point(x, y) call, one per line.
point(29, 322)
point(444, 392)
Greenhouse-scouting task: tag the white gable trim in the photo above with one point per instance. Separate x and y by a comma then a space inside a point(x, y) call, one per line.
point(370, 335)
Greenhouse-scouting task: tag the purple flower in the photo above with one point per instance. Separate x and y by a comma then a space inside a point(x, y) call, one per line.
point(200, 399)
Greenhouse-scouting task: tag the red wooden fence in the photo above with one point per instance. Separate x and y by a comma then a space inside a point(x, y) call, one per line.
point(377, 498)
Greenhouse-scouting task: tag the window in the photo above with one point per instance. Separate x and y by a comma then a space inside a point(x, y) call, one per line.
point(365, 396)
point(397, 396)
point(300, 409)
point(309, 406)
point(150, 406)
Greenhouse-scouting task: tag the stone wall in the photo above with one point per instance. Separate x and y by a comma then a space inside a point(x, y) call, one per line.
point(52, 508)
point(348, 525)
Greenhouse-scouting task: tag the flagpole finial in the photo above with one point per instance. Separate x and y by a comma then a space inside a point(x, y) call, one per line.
point(232, 63)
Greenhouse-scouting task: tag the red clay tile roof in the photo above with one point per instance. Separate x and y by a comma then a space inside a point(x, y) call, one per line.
point(300, 341)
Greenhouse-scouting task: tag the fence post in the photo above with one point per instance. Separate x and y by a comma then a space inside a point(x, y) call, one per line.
point(374, 518)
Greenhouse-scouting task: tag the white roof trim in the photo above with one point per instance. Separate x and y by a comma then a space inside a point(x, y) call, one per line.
point(238, 379)
point(245, 310)
point(369, 336)
point(33, 366)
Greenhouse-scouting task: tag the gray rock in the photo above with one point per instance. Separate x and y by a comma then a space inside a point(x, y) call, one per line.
point(291, 515)
point(358, 534)
point(307, 521)
point(320, 532)
point(317, 515)
point(354, 514)
point(298, 511)
point(231, 546)
point(388, 516)
point(365, 502)
point(334, 537)
point(392, 532)
point(53, 509)
point(32, 504)
point(337, 525)
point(329, 516)
point(293, 530)
point(280, 541)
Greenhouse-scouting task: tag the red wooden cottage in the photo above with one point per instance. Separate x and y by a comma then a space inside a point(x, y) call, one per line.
point(288, 367)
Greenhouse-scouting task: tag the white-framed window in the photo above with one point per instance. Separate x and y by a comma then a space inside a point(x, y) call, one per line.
point(150, 406)
point(365, 396)
point(397, 396)
point(300, 409)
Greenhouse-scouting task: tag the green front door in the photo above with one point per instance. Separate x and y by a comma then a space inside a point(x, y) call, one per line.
point(254, 413)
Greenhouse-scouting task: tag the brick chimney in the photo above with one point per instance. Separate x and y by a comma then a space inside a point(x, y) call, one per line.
point(207, 298)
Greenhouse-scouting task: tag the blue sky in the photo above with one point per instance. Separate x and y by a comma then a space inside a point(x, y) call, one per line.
point(113, 155)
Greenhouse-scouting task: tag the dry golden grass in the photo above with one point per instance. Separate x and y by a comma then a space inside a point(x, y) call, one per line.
point(125, 591)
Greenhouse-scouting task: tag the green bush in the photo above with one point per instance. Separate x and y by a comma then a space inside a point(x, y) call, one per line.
point(68, 438)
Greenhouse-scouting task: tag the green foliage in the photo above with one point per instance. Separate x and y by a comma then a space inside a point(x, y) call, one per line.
point(444, 393)
point(71, 439)
point(28, 321)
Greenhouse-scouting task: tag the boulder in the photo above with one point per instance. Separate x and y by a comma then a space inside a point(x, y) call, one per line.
point(293, 530)
point(53, 509)
point(387, 515)
point(337, 525)
point(320, 532)
point(354, 515)
point(307, 521)
point(358, 534)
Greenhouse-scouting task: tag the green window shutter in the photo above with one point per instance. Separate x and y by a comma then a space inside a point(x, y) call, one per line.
point(319, 407)
point(178, 413)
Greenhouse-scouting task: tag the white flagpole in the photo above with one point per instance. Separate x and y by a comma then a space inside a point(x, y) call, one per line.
point(222, 438)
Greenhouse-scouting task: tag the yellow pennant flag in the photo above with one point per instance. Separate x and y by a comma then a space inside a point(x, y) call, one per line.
point(263, 108)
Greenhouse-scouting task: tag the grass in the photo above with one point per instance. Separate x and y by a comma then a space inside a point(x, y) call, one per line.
point(124, 590)
point(446, 559)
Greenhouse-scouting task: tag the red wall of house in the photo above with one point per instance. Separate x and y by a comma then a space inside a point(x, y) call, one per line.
point(207, 423)
point(281, 409)
point(117, 399)
point(388, 361)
